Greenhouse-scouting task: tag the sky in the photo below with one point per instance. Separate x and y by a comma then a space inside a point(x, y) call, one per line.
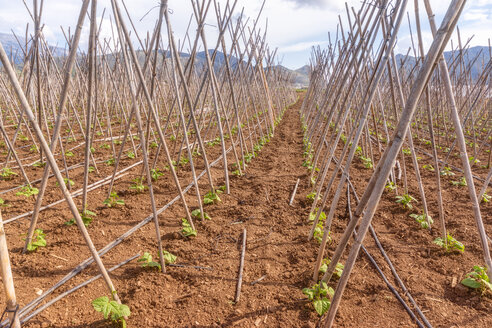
point(293, 26)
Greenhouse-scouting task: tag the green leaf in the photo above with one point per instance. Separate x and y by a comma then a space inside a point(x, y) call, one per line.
point(439, 242)
point(87, 212)
point(322, 305)
point(331, 292)
point(469, 282)
point(309, 293)
point(40, 243)
point(197, 214)
point(125, 310)
point(147, 261)
point(114, 309)
point(168, 257)
point(107, 307)
point(101, 304)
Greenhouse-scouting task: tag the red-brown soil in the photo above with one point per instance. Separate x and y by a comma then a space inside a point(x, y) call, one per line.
point(277, 247)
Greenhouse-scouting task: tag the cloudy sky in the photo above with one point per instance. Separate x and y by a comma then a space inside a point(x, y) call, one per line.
point(294, 26)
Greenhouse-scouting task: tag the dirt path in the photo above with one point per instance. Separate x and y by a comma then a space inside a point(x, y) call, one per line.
point(276, 245)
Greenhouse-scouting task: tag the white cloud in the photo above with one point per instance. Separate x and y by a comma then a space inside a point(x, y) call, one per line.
point(334, 4)
point(293, 25)
point(300, 46)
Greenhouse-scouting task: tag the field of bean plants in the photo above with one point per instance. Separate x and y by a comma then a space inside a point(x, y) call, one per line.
point(147, 182)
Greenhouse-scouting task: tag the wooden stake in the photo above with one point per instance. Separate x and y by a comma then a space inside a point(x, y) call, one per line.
point(294, 192)
point(8, 280)
point(241, 267)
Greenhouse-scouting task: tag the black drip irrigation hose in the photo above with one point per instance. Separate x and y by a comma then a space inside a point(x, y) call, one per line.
point(70, 291)
point(392, 288)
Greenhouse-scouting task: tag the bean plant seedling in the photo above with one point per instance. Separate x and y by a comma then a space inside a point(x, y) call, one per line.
point(446, 171)
point(478, 279)
point(27, 191)
point(338, 268)
point(422, 219)
point(2, 203)
point(461, 182)
point(312, 195)
point(183, 160)
point(187, 230)
point(87, 217)
point(155, 174)
point(473, 160)
point(113, 200)
point(367, 162)
point(429, 167)
point(37, 240)
point(405, 200)
point(197, 214)
point(318, 295)
point(169, 258)
point(486, 198)
point(450, 244)
point(39, 164)
point(211, 197)
point(138, 185)
point(146, 261)
point(390, 186)
point(117, 311)
point(248, 157)
point(68, 182)
point(312, 216)
point(319, 229)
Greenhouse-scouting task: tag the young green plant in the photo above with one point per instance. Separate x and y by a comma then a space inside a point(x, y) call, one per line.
point(108, 308)
point(37, 240)
point(186, 229)
point(319, 295)
point(113, 200)
point(405, 200)
point(478, 279)
point(450, 244)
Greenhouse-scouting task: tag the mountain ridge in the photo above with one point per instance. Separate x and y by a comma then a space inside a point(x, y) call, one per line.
point(474, 56)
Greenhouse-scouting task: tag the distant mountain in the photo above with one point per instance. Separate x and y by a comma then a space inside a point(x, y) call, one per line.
point(300, 76)
point(15, 49)
point(474, 57)
point(12, 47)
